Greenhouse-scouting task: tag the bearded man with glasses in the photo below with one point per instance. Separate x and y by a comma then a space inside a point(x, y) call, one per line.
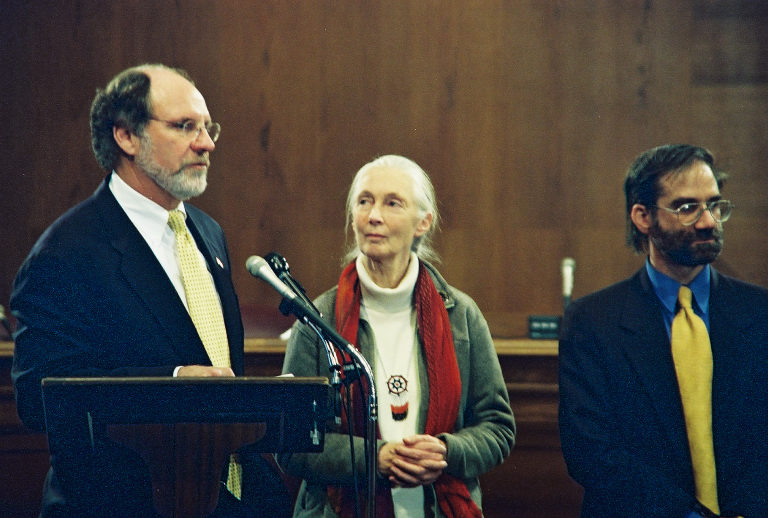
point(655, 422)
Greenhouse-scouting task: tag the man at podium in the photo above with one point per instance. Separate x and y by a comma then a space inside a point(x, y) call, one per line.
point(130, 282)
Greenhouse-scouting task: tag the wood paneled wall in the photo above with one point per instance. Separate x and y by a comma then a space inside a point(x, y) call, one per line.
point(526, 114)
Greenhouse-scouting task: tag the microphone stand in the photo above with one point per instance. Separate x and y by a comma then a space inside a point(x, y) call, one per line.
point(333, 366)
point(329, 337)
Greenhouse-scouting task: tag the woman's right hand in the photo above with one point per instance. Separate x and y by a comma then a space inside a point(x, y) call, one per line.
point(416, 461)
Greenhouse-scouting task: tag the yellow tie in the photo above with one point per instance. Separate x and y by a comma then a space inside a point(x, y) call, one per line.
point(202, 300)
point(692, 354)
point(205, 311)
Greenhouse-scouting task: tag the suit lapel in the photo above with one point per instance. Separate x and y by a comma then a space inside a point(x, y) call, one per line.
point(646, 347)
point(730, 322)
point(148, 279)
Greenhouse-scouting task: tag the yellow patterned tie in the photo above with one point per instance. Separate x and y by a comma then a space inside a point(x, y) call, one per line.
point(205, 311)
point(692, 354)
point(202, 300)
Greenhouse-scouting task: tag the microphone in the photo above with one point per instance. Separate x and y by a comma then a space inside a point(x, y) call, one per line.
point(5, 322)
point(258, 267)
point(280, 266)
point(567, 266)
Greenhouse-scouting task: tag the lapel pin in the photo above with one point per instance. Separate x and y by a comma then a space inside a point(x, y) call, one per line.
point(218, 261)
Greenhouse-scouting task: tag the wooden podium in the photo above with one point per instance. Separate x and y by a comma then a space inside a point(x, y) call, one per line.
point(186, 428)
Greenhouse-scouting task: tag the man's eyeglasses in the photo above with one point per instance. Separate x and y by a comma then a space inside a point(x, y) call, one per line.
point(192, 129)
point(689, 213)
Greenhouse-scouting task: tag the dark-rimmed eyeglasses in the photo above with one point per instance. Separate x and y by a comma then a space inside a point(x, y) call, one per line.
point(689, 213)
point(192, 129)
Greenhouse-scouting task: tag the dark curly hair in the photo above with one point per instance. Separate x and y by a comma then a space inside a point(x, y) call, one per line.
point(125, 103)
point(642, 185)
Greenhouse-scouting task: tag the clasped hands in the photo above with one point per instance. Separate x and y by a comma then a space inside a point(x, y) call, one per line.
point(416, 461)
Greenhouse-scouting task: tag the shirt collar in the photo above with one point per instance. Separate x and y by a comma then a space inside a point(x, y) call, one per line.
point(149, 218)
point(666, 288)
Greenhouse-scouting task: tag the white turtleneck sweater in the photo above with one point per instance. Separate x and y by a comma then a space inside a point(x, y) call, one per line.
point(390, 313)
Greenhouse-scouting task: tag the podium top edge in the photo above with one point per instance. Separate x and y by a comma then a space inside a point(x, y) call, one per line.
point(169, 380)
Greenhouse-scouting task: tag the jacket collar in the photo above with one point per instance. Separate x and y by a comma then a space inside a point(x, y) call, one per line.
point(441, 285)
point(645, 343)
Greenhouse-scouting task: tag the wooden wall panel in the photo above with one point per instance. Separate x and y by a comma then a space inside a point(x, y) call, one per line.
point(526, 114)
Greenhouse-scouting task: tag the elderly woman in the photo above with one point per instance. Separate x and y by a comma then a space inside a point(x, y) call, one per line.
point(444, 414)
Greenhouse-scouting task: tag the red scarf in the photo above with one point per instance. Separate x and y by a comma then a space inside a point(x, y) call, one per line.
point(444, 390)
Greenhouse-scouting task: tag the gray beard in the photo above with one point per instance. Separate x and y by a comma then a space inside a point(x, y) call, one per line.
point(179, 184)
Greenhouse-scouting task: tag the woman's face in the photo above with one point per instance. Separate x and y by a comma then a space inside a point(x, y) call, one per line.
point(386, 217)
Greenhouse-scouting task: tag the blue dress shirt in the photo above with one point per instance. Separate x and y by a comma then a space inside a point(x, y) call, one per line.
point(666, 290)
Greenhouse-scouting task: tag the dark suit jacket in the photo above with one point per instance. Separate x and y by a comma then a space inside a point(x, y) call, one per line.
point(91, 299)
point(621, 421)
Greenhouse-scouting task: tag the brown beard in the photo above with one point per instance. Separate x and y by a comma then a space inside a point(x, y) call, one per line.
point(679, 248)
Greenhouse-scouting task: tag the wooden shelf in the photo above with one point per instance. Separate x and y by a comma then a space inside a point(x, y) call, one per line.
point(504, 347)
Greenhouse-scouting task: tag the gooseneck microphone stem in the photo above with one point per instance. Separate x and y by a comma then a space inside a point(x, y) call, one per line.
point(288, 279)
point(335, 370)
point(308, 314)
point(280, 267)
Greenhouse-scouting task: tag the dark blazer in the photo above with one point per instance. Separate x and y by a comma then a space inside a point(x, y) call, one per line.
point(91, 299)
point(621, 420)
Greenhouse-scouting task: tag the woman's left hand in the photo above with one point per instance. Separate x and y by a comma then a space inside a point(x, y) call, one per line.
point(419, 460)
